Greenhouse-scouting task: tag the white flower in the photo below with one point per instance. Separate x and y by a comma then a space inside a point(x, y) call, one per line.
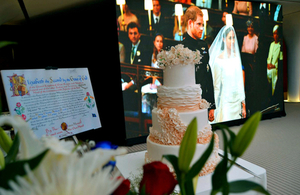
point(176, 61)
point(204, 104)
point(170, 57)
point(81, 176)
point(172, 49)
point(61, 171)
point(178, 55)
point(179, 46)
point(30, 146)
point(58, 146)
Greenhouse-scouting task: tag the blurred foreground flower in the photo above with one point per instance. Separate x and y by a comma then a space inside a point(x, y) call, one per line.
point(123, 188)
point(5, 141)
point(69, 176)
point(60, 171)
point(157, 179)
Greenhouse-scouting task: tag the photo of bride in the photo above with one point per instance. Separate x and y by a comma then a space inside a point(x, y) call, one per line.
point(225, 62)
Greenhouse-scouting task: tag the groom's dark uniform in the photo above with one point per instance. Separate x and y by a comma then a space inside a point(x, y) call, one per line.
point(202, 71)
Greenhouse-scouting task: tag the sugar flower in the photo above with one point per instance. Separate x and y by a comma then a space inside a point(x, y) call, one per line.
point(178, 55)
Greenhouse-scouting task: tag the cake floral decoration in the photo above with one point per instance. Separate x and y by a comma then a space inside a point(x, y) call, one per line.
point(187, 175)
point(178, 55)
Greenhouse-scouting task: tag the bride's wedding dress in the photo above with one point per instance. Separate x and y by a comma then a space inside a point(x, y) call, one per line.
point(225, 62)
point(229, 89)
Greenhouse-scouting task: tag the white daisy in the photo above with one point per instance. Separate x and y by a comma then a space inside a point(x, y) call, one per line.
point(58, 146)
point(30, 146)
point(81, 176)
point(61, 171)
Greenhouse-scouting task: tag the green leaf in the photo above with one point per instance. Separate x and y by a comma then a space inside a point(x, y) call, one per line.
point(245, 135)
point(5, 141)
point(219, 178)
point(2, 163)
point(17, 168)
point(174, 161)
point(189, 187)
point(231, 133)
point(180, 175)
point(6, 43)
point(13, 152)
point(244, 186)
point(131, 193)
point(188, 146)
point(143, 191)
point(199, 164)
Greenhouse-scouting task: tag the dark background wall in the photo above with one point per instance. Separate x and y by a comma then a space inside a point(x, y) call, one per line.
point(80, 36)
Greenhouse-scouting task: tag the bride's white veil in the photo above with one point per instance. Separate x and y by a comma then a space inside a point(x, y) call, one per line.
point(218, 48)
point(226, 67)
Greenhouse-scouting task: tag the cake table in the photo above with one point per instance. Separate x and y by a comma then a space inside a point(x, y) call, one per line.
point(132, 164)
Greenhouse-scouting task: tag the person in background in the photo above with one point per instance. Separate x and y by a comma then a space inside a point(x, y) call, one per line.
point(274, 56)
point(121, 47)
point(137, 52)
point(249, 48)
point(176, 35)
point(158, 46)
point(225, 61)
point(250, 43)
point(242, 8)
point(121, 52)
point(149, 90)
point(158, 19)
point(263, 10)
point(204, 4)
point(128, 18)
point(184, 1)
point(278, 13)
point(224, 17)
point(223, 22)
point(194, 20)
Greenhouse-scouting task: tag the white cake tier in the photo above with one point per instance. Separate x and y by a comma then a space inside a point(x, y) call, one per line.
point(155, 152)
point(186, 98)
point(179, 76)
point(186, 118)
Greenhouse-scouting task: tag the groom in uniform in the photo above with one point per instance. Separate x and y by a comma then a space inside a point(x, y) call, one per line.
point(194, 20)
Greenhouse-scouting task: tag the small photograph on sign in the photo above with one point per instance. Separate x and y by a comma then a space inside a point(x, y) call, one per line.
point(18, 85)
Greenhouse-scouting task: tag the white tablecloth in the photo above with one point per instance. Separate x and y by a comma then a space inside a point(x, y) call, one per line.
point(132, 164)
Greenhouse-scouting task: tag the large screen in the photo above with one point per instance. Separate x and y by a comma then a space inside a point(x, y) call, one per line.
point(245, 56)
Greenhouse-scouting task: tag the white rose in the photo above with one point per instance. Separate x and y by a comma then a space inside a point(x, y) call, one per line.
point(170, 57)
point(173, 50)
point(176, 61)
point(179, 46)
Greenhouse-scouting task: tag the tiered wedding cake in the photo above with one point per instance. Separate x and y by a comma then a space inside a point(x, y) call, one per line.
point(179, 101)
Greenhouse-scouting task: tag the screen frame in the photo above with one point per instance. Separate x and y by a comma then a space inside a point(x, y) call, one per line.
point(142, 139)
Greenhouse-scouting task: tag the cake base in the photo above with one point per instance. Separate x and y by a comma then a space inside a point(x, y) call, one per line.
point(155, 152)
